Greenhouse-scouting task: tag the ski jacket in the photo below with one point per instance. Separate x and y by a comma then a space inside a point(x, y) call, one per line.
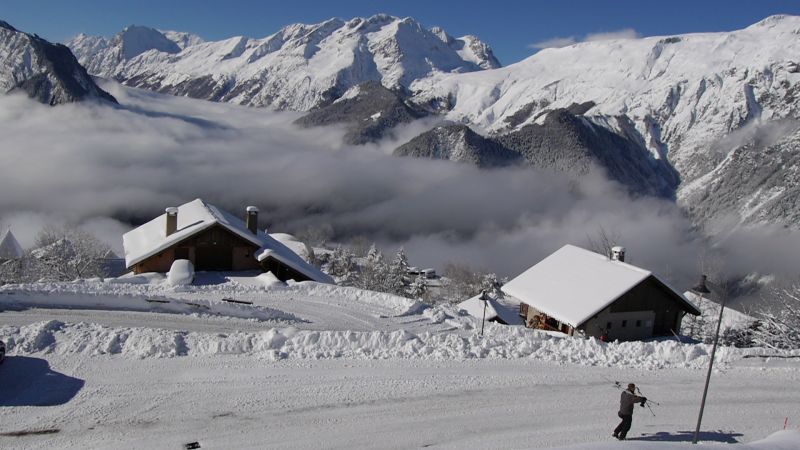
point(627, 401)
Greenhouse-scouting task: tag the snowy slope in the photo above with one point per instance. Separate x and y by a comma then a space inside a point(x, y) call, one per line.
point(299, 67)
point(361, 368)
point(683, 93)
point(46, 72)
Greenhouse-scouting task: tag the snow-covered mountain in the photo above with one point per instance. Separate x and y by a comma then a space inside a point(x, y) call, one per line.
point(299, 68)
point(684, 116)
point(565, 142)
point(369, 111)
point(686, 99)
point(47, 72)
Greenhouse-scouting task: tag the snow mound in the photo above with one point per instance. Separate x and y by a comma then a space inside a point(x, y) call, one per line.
point(181, 273)
point(499, 342)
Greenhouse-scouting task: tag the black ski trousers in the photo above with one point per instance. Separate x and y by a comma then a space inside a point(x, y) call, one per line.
point(624, 426)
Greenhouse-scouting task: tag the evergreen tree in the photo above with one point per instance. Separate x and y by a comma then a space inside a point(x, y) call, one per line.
point(342, 266)
point(374, 272)
point(418, 288)
point(395, 278)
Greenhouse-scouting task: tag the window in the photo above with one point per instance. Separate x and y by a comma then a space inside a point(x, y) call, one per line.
point(638, 323)
point(624, 323)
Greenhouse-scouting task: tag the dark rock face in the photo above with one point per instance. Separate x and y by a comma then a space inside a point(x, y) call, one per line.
point(757, 182)
point(47, 72)
point(459, 143)
point(370, 114)
point(569, 143)
point(564, 142)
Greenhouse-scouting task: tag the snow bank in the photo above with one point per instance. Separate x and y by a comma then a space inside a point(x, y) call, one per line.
point(499, 342)
point(400, 306)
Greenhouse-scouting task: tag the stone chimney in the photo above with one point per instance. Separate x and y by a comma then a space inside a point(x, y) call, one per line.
point(172, 220)
point(617, 253)
point(252, 219)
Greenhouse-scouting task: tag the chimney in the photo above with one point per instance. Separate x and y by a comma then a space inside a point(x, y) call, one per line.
point(618, 253)
point(252, 219)
point(172, 220)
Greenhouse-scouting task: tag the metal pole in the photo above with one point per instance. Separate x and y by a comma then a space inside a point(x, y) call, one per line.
point(483, 297)
point(710, 366)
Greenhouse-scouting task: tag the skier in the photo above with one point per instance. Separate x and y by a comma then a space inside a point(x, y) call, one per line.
point(626, 402)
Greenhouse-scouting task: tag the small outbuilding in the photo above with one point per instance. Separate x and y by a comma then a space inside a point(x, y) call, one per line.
point(579, 291)
point(213, 240)
point(494, 310)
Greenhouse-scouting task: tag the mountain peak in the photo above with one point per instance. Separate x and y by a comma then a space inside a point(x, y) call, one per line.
point(7, 26)
point(45, 71)
point(137, 39)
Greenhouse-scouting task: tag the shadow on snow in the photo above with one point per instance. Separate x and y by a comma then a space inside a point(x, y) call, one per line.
point(26, 381)
point(728, 437)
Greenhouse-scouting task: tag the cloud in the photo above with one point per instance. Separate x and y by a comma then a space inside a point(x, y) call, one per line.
point(110, 168)
point(626, 33)
point(558, 42)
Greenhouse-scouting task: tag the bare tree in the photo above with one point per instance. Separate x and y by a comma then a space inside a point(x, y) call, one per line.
point(317, 235)
point(461, 281)
point(779, 329)
point(602, 241)
point(64, 254)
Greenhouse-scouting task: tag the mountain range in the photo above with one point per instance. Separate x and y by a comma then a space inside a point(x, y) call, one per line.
point(709, 120)
point(300, 67)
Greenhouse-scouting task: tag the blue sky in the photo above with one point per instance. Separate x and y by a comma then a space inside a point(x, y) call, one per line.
point(510, 27)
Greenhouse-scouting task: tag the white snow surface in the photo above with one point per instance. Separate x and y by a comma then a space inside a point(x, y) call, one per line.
point(574, 284)
point(319, 365)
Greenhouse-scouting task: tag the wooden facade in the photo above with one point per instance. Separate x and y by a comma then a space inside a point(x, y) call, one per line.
point(648, 309)
point(214, 248)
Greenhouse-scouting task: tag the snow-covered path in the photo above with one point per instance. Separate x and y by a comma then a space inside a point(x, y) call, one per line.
point(205, 323)
point(244, 402)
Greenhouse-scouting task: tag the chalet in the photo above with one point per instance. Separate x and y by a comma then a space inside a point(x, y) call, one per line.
point(579, 291)
point(212, 239)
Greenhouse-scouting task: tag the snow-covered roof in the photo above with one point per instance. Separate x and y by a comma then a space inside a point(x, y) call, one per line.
point(9, 247)
point(494, 310)
point(574, 284)
point(196, 216)
point(301, 248)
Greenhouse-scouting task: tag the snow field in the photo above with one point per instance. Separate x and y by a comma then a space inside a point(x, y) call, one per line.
point(239, 402)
